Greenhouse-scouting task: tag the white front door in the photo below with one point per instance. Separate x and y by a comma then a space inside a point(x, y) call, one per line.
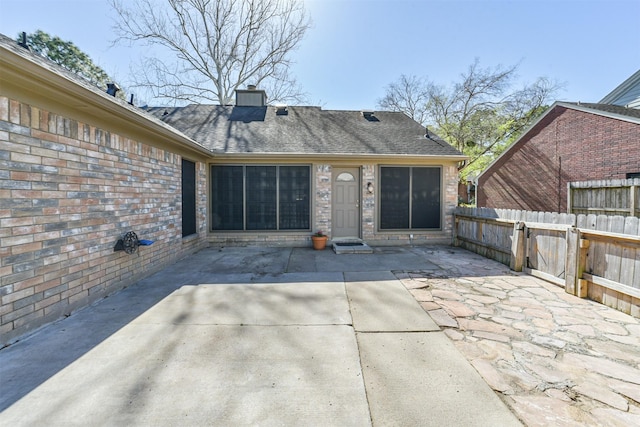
point(346, 202)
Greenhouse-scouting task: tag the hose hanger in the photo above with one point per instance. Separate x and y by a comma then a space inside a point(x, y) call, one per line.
point(129, 243)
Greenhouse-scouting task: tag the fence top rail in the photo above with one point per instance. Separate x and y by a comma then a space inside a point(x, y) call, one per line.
point(546, 226)
point(611, 183)
point(595, 234)
point(528, 224)
point(607, 235)
point(485, 218)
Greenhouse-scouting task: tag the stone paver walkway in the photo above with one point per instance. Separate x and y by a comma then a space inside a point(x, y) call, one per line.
point(555, 359)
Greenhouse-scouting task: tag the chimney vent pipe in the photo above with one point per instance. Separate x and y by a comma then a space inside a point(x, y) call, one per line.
point(23, 41)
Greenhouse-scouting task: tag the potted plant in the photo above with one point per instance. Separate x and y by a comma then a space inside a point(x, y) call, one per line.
point(319, 240)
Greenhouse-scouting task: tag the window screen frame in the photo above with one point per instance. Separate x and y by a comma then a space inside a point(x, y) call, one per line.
point(410, 195)
point(189, 190)
point(279, 228)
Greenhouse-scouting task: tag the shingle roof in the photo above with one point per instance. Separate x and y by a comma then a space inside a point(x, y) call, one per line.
point(302, 130)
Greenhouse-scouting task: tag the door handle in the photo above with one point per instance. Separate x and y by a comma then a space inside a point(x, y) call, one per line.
point(357, 203)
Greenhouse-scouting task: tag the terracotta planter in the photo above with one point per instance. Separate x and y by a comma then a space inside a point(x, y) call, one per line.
point(319, 243)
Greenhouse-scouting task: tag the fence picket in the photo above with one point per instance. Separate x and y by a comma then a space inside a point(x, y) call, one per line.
point(611, 271)
point(627, 264)
point(608, 197)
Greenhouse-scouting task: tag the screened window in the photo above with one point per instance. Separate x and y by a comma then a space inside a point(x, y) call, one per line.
point(260, 197)
point(409, 198)
point(188, 198)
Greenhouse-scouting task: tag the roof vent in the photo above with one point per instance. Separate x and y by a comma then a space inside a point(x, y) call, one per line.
point(23, 41)
point(281, 110)
point(112, 89)
point(251, 87)
point(369, 115)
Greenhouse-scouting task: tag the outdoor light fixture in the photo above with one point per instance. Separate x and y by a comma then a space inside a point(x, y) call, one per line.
point(370, 187)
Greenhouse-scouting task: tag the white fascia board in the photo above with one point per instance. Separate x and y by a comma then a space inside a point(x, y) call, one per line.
point(340, 156)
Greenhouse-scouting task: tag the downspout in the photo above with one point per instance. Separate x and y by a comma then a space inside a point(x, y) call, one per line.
point(559, 182)
point(475, 190)
point(558, 189)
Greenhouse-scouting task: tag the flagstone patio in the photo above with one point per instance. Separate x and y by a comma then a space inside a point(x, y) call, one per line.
point(555, 359)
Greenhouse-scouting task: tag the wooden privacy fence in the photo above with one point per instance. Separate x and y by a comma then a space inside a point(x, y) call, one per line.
point(591, 256)
point(611, 197)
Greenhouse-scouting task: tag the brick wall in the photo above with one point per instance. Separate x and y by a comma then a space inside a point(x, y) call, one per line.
point(68, 191)
point(322, 204)
point(368, 202)
point(566, 145)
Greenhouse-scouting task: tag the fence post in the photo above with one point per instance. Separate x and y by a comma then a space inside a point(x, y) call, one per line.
point(632, 200)
point(517, 247)
point(455, 229)
point(573, 259)
point(581, 287)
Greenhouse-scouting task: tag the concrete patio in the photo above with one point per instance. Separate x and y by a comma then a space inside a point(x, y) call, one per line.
point(279, 336)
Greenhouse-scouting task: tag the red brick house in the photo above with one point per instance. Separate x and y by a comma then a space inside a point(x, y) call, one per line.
point(570, 142)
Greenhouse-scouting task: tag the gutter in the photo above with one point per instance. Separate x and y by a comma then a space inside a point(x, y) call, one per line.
point(342, 156)
point(36, 78)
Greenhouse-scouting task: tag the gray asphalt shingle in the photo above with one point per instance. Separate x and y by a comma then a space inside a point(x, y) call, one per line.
point(302, 130)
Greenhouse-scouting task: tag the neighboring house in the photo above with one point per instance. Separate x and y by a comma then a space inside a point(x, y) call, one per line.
point(79, 168)
point(570, 142)
point(625, 95)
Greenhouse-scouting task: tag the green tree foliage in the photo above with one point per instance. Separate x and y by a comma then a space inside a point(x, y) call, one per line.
point(480, 115)
point(69, 56)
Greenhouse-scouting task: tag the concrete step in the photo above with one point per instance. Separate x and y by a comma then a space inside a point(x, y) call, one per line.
point(350, 246)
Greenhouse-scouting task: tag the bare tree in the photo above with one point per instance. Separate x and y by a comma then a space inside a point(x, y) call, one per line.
point(410, 95)
point(480, 115)
point(218, 46)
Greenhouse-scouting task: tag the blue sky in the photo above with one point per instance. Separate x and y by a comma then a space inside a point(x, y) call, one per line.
point(357, 47)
